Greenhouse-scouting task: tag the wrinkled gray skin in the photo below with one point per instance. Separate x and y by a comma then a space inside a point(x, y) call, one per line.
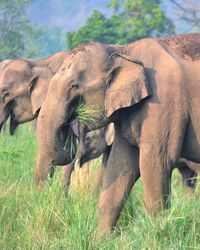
point(150, 90)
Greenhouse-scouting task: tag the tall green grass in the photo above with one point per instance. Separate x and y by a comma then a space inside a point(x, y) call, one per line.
point(48, 220)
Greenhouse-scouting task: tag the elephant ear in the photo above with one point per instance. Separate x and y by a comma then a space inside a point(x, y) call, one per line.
point(109, 134)
point(127, 84)
point(38, 90)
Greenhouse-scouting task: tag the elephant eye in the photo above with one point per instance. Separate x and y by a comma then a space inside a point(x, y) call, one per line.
point(74, 85)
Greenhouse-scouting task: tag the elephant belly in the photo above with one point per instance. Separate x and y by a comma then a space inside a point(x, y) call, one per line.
point(191, 144)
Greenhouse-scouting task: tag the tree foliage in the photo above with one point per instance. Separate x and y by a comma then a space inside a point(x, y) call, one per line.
point(131, 20)
point(16, 31)
point(98, 28)
point(187, 12)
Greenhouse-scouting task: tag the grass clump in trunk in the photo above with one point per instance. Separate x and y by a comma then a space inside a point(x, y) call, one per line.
point(88, 113)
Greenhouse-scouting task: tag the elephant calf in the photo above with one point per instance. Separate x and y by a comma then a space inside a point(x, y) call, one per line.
point(100, 141)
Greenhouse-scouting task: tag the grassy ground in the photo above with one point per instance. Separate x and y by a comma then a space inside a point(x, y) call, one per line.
point(47, 220)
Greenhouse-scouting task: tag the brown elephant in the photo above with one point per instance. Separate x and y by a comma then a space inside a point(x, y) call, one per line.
point(95, 144)
point(150, 90)
point(23, 87)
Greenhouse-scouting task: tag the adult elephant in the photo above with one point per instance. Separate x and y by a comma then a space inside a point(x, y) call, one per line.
point(150, 90)
point(23, 87)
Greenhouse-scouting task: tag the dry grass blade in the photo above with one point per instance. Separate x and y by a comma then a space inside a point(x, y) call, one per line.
point(69, 142)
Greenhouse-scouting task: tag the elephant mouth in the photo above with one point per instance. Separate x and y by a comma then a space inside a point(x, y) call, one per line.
point(88, 155)
point(9, 114)
point(84, 158)
point(13, 123)
point(69, 134)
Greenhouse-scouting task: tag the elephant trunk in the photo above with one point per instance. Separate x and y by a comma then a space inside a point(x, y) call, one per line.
point(56, 141)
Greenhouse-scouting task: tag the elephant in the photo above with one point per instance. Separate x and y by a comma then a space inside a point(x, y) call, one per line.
point(150, 90)
point(23, 87)
point(95, 144)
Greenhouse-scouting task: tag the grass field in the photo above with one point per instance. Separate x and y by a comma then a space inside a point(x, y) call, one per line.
point(48, 220)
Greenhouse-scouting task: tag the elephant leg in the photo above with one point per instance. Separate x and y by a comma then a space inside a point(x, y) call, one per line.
point(155, 170)
point(189, 176)
point(43, 170)
point(99, 178)
point(66, 175)
point(122, 171)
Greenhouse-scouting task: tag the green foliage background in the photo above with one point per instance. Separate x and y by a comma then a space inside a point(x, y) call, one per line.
point(131, 20)
point(15, 30)
point(20, 38)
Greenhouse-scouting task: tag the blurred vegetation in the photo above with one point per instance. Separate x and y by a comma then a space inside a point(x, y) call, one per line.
point(123, 21)
point(16, 31)
point(131, 20)
point(18, 36)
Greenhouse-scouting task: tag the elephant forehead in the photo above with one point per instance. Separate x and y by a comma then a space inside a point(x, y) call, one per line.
point(19, 66)
point(94, 55)
point(10, 77)
point(7, 78)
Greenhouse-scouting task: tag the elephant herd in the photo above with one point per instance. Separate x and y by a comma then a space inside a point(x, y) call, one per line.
point(145, 97)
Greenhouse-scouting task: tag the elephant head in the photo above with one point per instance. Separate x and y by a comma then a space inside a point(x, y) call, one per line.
point(95, 74)
point(96, 143)
point(23, 88)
